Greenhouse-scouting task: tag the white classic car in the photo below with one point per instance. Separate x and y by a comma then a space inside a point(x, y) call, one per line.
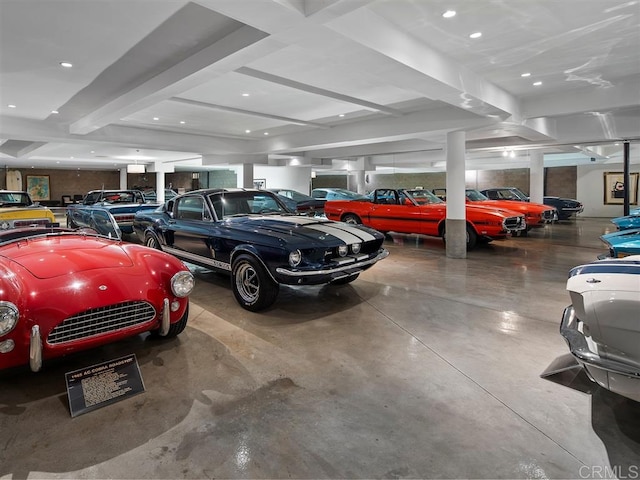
point(602, 326)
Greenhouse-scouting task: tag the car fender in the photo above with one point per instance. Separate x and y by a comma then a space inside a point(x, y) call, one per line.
point(247, 248)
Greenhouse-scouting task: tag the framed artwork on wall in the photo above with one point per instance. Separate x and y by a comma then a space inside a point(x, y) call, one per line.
point(614, 188)
point(38, 187)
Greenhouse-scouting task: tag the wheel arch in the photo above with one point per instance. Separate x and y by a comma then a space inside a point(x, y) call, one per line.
point(247, 249)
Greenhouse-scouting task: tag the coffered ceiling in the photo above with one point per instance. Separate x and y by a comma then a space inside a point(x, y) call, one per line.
point(211, 83)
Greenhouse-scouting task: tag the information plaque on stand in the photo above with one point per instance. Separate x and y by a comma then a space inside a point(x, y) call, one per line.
point(100, 385)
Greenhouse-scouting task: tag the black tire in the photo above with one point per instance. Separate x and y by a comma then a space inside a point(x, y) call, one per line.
point(472, 237)
point(252, 286)
point(352, 219)
point(176, 328)
point(151, 241)
point(345, 280)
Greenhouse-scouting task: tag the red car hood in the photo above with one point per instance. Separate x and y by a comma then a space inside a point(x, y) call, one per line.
point(68, 257)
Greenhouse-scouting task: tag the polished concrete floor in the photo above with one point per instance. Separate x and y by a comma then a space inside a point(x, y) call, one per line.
point(425, 367)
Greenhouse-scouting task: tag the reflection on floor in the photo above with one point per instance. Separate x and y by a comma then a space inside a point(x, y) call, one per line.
point(425, 367)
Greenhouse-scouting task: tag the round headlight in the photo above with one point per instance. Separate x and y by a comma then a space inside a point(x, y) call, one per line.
point(355, 248)
point(5, 226)
point(182, 284)
point(8, 317)
point(343, 250)
point(295, 258)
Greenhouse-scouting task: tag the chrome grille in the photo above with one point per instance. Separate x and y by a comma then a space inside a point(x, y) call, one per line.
point(514, 223)
point(102, 320)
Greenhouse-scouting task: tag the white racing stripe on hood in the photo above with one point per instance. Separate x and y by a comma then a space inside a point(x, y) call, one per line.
point(343, 231)
point(347, 234)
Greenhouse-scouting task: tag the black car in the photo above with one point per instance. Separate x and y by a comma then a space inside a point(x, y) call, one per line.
point(299, 202)
point(566, 206)
point(253, 236)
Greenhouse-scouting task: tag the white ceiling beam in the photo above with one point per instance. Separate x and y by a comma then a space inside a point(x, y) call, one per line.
point(167, 83)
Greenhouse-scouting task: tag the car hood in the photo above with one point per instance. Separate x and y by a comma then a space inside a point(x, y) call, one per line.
point(22, 212)
point(57, 256)
point(492, 210)
point(617, 239)
point(295, 227)
point(516, 206)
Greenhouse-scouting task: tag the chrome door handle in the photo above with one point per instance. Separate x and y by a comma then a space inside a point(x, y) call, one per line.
point(593, 280)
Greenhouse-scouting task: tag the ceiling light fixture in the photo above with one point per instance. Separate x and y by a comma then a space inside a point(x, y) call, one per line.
point(475, 35)
point(156, 118)
point(182, 122)
point(247, 131)
point(245, 94)
point(266, 133)
point(341, 115)
point(54, 112)
point(449, 14)
point(527, 74)
point(537, 84)
point(66, 64)
point(11, 105)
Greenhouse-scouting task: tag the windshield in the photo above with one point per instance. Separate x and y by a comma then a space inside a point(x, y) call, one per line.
point(475, 195)
point(422, 197)
point(14, 199)
point(233, 204)
point(512, 194)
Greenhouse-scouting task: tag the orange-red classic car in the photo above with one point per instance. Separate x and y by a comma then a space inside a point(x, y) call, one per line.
point(64, 291)
point(420, 211)
point(536, 214)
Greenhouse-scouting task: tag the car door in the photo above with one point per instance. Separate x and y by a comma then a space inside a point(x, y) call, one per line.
point(391, 213)
point(190, 228)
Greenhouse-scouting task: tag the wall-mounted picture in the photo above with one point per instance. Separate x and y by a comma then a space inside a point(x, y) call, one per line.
point(260, 183)
point(38, 187)
point(614, 188)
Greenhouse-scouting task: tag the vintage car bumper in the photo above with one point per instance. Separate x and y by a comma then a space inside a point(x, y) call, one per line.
point(348, 266)
point(619, 377)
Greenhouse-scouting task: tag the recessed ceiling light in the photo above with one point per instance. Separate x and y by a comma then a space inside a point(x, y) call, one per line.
point(55, 112)
point(341, 115)
point(527, 74)
point(92, 151)
point(182, 122)
point(475, 35)
point(537, 84)
point(11, 105)
point(71, 158)
point(449, 14)
point(245, 94)
point(266, 133)
point(66, 64)
point(156, 118)
point(247, 131)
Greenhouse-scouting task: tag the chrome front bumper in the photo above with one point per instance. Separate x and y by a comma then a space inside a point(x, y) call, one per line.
point(351, 263)
point(579, 348)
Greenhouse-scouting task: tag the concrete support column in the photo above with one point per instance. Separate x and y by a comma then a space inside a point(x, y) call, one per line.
point(247, 175)
point(360, 184)
point(123, 178)
point(456, 225)
point(160, 187)
point(536, 176)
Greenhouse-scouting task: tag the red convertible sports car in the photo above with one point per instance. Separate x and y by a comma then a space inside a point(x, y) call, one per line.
point(420, 211)
point(63, 291)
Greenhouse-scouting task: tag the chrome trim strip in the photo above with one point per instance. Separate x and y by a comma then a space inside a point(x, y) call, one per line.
point(380, 256)
point(35, 349)
point(166, 318)
point(580, 349)
point(197, 258)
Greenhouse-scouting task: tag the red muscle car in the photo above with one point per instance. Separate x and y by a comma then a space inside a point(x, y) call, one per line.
point(536, 214)
point(420, 211)
point(64, 291)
